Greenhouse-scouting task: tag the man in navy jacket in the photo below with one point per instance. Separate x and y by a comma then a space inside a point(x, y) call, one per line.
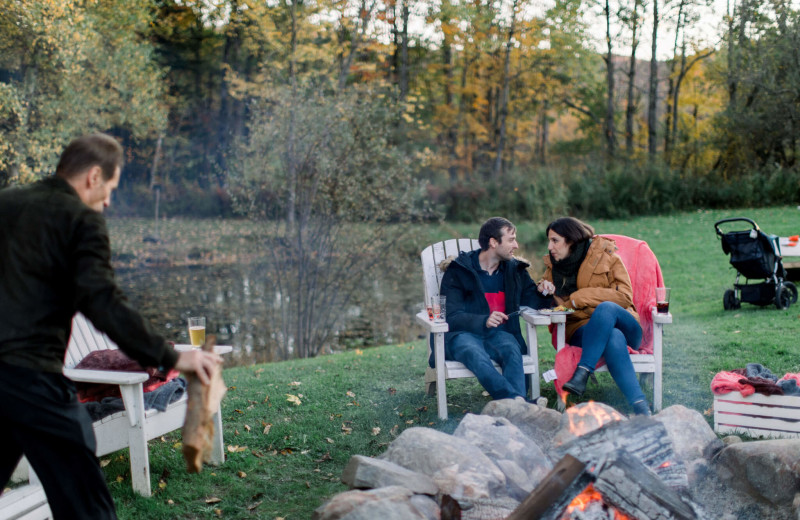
point(482, 288)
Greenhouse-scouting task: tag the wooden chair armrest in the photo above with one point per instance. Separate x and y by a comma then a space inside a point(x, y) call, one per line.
point(660, 319)
point(430, 326)
point(219, 349)
point(105, 376)
point(534, 318)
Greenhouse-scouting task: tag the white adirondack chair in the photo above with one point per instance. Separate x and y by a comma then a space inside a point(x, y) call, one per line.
point(27, 502)
point(435, 378)
point(135, 426)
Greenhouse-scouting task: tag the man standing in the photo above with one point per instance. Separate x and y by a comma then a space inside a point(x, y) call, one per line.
point(55, 261)
point(482, 288)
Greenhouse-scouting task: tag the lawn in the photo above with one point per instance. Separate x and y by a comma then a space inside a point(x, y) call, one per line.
point(291, 427)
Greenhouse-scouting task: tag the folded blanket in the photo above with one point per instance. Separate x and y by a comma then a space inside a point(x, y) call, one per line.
point(158, 399)
point(726, 382)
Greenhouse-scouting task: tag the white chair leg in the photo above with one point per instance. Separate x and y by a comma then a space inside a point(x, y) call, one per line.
point(217, 444)
point(441, 388)
point(133, 398)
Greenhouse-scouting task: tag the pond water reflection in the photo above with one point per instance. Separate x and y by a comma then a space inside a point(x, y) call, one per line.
point(240, 304)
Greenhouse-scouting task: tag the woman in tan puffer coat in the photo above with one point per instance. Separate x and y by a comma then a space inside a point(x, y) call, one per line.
point(584, 273)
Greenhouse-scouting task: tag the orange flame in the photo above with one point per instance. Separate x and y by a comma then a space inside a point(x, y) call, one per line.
point(665, 465)
point(577, 414)
point(588, 496)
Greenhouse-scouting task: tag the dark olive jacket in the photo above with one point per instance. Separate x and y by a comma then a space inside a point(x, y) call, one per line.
point(55, 260)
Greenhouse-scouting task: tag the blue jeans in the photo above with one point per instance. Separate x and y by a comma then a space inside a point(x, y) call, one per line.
point(607, 334)
point(477, 354)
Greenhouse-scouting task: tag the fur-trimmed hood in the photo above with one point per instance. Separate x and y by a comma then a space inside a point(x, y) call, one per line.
point(444, 264)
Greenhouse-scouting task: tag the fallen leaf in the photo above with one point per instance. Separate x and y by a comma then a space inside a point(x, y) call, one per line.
point(359, 352)
point(241, 474)
point(346, 430)
point(104, 462)
point(293, 399)
point(267, 427)
point(376, 430)
point(120, 478)
point(171, 502)
point(295, 383)
point(350, 394)
point(218, 512)
point(162, 484)
point(213, 500)
point(328, 440)
point(485, 393)
point(246, 427)
point(324, 458)
point(236, 448)
point(392, 391)
point(254, 505)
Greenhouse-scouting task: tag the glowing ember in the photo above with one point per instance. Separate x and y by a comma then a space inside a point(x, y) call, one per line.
point(589, 416)
point(665, 465)
point(588, 497)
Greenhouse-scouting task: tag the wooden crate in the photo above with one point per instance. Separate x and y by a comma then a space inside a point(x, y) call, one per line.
point(757, 415)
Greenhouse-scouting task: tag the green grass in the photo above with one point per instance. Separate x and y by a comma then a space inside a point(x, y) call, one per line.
point(292, 469)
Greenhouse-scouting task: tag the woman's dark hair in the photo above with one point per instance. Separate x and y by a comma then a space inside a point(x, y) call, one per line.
point(493, 228)
point(572, 229)
point(91, 150)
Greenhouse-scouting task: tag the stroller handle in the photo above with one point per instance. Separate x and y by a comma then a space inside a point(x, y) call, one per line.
point(734, 219)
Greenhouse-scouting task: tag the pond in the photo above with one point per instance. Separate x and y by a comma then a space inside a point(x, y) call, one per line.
point(240, 304)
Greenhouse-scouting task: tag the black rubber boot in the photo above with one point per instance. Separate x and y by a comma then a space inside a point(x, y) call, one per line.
point(641, 408)
point(577, 385)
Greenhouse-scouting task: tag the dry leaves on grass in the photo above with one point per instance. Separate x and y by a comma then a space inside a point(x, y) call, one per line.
point(236, 449)
point(294, 399)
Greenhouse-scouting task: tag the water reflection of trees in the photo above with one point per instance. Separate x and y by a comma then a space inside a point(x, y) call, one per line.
point(241, 303)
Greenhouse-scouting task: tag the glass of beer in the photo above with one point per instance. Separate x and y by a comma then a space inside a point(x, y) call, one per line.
point(197, 331)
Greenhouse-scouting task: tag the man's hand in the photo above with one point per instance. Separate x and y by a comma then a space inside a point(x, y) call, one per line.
point(496, 318)
point(199, 362)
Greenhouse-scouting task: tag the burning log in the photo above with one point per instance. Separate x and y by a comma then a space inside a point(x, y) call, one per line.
point(643, 437)
point(203, 402)
point(554, 493)
point(627, 484)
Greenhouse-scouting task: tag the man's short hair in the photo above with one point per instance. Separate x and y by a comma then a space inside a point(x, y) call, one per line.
point(493, 228)
point(91, 150)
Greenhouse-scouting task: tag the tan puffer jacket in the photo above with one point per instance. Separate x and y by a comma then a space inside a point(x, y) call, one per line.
point(602, 277)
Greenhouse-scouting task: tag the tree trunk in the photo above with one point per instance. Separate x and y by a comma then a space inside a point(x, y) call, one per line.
point(652, 102)
point(544, 125)
point(611, 138)
point(502, 114)
point(404, 54)
point(630, 110)
point(291, 160)
point(670, 112)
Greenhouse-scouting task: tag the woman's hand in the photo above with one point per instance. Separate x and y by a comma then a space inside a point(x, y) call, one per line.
point(496, 318)
point(546, 287)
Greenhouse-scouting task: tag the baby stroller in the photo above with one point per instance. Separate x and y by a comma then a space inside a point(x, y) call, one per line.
point(755, 255)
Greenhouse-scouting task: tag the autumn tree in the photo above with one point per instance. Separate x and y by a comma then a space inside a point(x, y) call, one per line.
point(72, 68)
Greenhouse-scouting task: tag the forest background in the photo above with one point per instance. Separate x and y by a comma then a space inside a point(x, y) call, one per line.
point(314, 117)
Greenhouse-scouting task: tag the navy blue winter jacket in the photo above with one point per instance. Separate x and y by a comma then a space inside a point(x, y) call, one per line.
point(467, 308)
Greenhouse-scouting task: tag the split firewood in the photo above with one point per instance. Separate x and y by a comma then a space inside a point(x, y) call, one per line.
point(203, 403)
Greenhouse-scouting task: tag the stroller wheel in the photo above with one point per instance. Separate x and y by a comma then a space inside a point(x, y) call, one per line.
point(792, 289)
point(729, 300)
point(783, 297)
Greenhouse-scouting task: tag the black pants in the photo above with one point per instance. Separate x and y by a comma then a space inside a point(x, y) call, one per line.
point(40, 417)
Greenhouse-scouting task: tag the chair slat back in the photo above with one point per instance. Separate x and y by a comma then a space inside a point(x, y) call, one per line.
point(85, 338)
point(434, 254)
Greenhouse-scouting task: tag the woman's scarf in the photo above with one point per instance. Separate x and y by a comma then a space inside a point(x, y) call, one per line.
point(565, 272)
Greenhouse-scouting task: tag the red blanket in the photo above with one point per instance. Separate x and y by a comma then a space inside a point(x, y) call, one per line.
point(114, 359)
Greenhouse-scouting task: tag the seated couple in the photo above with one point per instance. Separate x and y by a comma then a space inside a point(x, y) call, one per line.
point(583, 272)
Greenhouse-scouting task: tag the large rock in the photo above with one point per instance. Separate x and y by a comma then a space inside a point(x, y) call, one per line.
point(460, 469)
point(584, 418)
point(538, 423)
point(768, 469)
point(366, 473)
point(518, 457)
point(388, 503)
point(691, 436)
